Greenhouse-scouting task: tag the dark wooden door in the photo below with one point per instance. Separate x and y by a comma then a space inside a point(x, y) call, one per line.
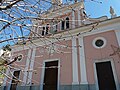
point(51, 76)
point(15, 80)
point(105, 76)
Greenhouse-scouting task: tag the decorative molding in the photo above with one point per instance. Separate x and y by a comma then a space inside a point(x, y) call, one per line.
point(101, 29)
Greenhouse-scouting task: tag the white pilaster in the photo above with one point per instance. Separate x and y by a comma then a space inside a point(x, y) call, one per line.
point(79, 19)
point(65, 24)
point(31, 66)
point(73, 19)
point(26, 67)
point(60, 25)
point(74, 62)
point(82, 62)
point(5, 78)
point(117, 32)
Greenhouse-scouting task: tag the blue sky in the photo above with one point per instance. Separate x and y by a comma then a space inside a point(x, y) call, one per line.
point(96, 9)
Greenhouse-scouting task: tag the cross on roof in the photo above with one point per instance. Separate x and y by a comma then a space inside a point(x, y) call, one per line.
point(116, 51)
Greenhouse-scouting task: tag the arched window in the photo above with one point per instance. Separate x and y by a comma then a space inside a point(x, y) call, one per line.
point(56, 26)
point(47, 29)
point(43, 31)
point(63, 25)
point(67, 23)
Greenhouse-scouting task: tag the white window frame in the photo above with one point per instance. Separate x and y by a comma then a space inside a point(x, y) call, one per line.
point(21, 58)
point(97, 38)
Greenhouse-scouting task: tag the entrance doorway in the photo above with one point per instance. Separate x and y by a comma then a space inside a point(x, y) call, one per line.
point(15, 80)
point(105, 76)
point(51, 76)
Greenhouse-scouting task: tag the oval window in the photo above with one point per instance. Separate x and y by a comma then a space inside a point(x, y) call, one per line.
point(20, 58)
point(99, 42)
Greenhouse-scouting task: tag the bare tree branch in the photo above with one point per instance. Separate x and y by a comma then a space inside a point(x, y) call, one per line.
point(10, 5)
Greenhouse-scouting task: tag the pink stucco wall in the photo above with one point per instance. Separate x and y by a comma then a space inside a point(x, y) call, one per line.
point(92, 54)
point(18, 65)
point(65, 63)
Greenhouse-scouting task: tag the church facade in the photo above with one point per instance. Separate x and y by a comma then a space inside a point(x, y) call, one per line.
point(70, 51)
